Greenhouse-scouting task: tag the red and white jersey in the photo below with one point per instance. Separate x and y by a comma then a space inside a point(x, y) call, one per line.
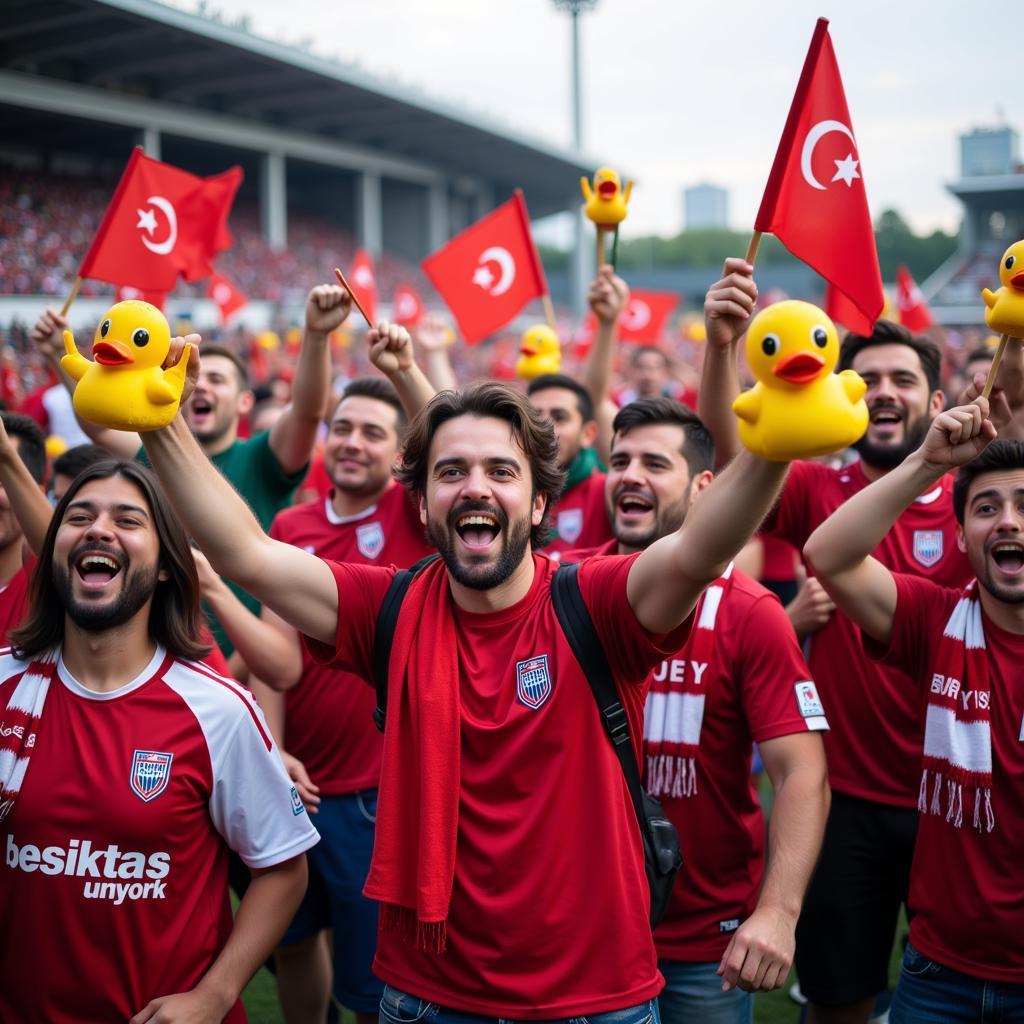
point(965, 884)
point(580, 518)
point(877, 728)
point(113, 884)
point(14, 600)
point(329, 714)
point(755, 689)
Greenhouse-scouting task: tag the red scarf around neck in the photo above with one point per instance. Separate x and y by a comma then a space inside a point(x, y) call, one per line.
point(413, 863)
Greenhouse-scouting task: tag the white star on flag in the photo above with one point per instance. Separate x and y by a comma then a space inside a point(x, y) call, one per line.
point(483, 277)
point(147, 220)
point(846, 170)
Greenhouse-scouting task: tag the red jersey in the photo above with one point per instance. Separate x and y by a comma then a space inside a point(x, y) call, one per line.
point(965, 885)
point(14, 600)
point(756, 690)
point(329, 714)
point(580, 518)
point(549, 908)
point(118, 839)
point(874, 746)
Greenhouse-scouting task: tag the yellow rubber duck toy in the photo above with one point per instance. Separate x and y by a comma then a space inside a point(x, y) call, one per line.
point(798, 408)
point(540, 353)
point(1004, 308)
point(126, 388)
point(606, 203)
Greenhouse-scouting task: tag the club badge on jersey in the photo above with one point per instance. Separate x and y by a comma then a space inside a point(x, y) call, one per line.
point(927, 547)
point(370, 539)
point(151, 771)
point(570, 524)
point(533, 681)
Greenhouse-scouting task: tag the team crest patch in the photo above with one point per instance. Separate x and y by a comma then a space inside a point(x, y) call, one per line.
point(570, 524)
point(151, 771)
point(370, 539)
point(927, 546)
point(297, 806)
point(533, 681)
point(807, 699)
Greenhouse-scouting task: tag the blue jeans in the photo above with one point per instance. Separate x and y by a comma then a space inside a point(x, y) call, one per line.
point(398, 1007)
point(693, 995)
point(929, 993)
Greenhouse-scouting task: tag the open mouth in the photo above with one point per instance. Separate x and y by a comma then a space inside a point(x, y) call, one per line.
point(95, 570)
point(885, 418)
point(800, 368)
point(607, 189)
point(201, 406)
point(477, 530)
point(1017, 281)
point(631, 505)
point(1009, 557)
point(110, 353)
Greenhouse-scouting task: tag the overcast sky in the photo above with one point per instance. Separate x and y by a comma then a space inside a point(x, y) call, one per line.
point(682, 92)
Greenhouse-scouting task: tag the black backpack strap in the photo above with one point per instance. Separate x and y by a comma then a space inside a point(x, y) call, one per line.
point(579, 630)
point(384, 633)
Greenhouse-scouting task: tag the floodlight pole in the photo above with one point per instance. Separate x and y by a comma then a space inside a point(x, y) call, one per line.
point(580, 260)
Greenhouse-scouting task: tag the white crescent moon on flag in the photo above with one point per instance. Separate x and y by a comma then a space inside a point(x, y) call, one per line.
point(814, 136)
point(221, 294)
point(506, 265)
point(637, 316)
point(164, 247)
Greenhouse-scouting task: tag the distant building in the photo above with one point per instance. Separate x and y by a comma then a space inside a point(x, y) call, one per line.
point(705, 206)
point(986, 151)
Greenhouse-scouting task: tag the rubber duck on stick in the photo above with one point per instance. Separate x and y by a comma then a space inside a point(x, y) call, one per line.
point(606, 204)
point(1004, 308)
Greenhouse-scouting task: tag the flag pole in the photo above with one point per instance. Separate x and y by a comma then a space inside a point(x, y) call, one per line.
point(71, 298)
point(344, 284)
point(755, 244)
point(993, 369)
point(549, 309)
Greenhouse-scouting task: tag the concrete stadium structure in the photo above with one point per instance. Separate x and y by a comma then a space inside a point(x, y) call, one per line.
point(82, 81)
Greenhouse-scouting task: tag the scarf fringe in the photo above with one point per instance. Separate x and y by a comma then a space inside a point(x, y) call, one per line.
point(427, 936)
point(954, 813)
point(671, 775)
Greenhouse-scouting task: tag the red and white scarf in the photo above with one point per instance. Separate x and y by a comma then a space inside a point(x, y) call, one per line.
point(957, 738)
point(674, 712)
point(19, 726)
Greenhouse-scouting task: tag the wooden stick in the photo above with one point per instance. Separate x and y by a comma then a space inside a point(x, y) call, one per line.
point(549, 309)
point(71, 298)
point(615, 247)
point(344, 284)
point(600, 248)
point(994, 368)
point(755, 243)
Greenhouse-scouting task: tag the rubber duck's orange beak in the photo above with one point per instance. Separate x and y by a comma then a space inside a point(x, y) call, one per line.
point(800, 368)
point(111, 353)
point(1017, 282)
point(607, 189)
point(529, 349)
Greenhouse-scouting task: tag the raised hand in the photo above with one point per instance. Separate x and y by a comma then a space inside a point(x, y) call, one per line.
point(327, 307)
point(729, 303)
point(957, 435)
point(390, 348)
point(607, 295)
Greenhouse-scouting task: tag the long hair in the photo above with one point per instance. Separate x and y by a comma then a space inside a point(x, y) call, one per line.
point(486, 399)
point(175, 618)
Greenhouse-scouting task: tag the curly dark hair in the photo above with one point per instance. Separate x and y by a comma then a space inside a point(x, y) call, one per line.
point(486, 399)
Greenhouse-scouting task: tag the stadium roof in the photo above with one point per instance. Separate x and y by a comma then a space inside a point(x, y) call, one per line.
point(1004, 188)
point(149, 51)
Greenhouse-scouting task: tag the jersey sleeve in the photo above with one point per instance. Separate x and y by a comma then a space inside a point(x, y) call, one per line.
point(777, 692)
point(790, 519)
point(922, 608)
point(254, 805)
point(632, 651)
point(361, 589)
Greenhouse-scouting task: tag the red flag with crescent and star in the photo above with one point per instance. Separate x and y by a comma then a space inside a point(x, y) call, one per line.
point(126, 291)
point(490, 271)
point(913, 310)
point(226, 295)
point(815, 202)
point(407, 307)
point(642, 322)
point(161, 222)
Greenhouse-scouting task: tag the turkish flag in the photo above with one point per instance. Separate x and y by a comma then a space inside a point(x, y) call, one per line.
point(815, 202)
point(490, 271)
point(364, 283)
point(228, 298)
point(162, 222)
point(842, 311)
point(644, 318)
point(913, 310)
point(407, 308)
point(126, 291)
